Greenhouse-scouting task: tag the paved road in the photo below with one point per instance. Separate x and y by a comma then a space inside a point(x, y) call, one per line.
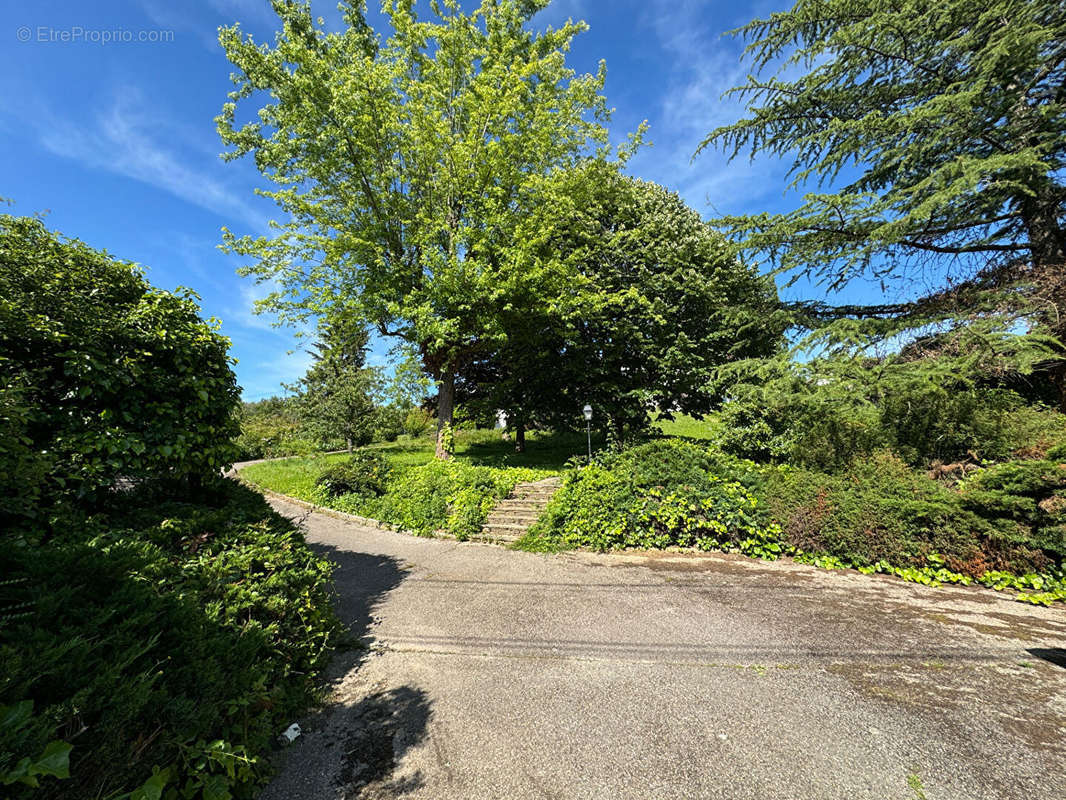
point(497, 674)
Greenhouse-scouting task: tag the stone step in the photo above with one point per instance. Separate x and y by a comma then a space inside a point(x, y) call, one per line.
point(489, 538)
point(516, 514)
point(497, 519)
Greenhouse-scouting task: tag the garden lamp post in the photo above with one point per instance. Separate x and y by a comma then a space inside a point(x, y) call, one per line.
point(588, 427)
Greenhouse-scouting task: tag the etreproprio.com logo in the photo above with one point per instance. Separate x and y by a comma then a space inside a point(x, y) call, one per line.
point(77, 34)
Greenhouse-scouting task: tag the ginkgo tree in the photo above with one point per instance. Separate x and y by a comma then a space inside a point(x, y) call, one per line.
point(402, 164)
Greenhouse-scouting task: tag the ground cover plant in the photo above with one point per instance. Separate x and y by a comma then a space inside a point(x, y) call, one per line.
point(169, 635)
point(401, 483)
point(157, 623)
point(1001, 525)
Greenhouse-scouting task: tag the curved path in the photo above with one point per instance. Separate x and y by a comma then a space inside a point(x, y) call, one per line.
point(488, 673)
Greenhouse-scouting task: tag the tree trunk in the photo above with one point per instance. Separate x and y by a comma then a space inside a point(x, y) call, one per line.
point(348, 441)
point(1047, 246)
point(520, 437)
point(445, 412)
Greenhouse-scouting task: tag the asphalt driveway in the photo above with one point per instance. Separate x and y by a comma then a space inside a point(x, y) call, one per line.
point(496, 674)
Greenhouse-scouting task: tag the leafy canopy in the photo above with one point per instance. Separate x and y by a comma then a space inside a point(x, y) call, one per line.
point(402, 163)
point(934, 130)
point(647, 303)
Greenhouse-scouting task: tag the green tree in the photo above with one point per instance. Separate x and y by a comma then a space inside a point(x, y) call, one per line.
point(335, 394)
point(403, 165)
point(937, 128)
point(408, 386)
point(646, 302)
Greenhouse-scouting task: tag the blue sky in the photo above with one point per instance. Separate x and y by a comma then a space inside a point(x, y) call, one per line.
point(116, 141)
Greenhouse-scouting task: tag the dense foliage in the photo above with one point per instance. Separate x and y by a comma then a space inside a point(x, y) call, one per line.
point(1001, 525)
point(662, 494)
point(104, 377)
point(156, 623)
point(879, 510)
point(162, 635)
point(365, 474)
point(826, 412)
point(646, 301)
point(402, 161)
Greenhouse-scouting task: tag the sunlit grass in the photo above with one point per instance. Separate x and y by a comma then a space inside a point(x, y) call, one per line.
point(682, 425)
point(296, 476)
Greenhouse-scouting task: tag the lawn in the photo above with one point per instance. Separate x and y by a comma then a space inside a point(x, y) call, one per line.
point(550, 451)
point(686, 427)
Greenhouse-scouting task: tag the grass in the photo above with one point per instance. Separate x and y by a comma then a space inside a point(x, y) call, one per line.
point(544, 450)
point(549, 451)
point(687, 427)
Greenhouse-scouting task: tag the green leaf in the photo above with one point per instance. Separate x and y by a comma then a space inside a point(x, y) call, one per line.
point(54, 761)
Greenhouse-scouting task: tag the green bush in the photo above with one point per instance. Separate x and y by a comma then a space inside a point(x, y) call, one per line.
point(115, 379)
point(388, 423)
point(671, 463)
point(448, 495)
point(663, 493)
point(162, 635)
point(417, 422)
point(365, 473)
point(879, 510)
point(1028, 501)
point(828, 414)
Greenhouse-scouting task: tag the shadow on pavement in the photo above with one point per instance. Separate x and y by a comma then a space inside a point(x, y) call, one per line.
point(380, 729)
point(362, 581)
point(352, 744)
point(1053, 655)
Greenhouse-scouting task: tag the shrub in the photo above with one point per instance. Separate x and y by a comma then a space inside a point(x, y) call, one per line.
point(417, 422)
point(388, 423)
point(118, 380)
point(672, 463)
point(662, 493)
point(1029, 494)
point(169, 635)
point(879, 510)
point(448, 495)
point(829, 413)
point(365, 474)
point(802, 421)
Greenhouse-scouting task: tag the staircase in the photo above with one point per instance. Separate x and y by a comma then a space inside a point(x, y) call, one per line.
point(516, 513)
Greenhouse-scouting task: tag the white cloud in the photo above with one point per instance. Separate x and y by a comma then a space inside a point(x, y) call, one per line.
point(256, 15)
point(126, 141)
point(701, 67)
